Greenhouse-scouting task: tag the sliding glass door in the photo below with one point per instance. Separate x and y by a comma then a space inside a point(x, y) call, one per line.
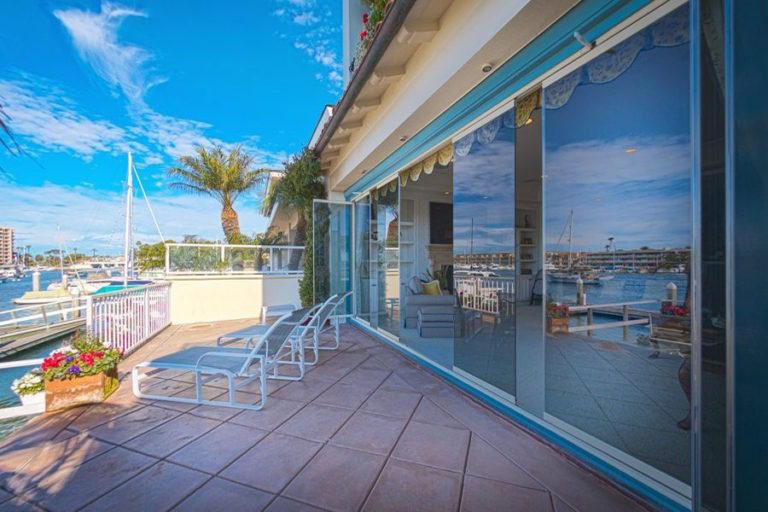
point(618, 239)
point(385, 261)
point(364, 299)
point(332, 245)
point(484, 253)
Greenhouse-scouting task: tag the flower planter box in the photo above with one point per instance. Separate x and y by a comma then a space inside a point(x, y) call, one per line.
point(33, 399)
point(555, 325)
point(62, 394)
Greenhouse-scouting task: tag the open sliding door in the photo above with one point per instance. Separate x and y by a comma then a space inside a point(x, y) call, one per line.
point(332, 240)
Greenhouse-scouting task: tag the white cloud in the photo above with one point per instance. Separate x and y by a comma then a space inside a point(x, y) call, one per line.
point(320, 42)
point(121, 65)
point(305, 18)
point(36, 211)
point(45, 116)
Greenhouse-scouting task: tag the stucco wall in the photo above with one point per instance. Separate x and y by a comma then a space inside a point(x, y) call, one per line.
point(213, 298)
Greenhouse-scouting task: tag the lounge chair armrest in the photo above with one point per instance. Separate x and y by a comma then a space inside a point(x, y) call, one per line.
point(224, 354)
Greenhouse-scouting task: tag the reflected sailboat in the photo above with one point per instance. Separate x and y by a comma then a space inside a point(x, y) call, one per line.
point(571, 276)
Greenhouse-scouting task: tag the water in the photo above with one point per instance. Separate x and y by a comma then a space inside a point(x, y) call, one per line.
point(624, 288)
point(9, 291)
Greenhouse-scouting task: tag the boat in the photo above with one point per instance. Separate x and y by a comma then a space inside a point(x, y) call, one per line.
point(570, 275)
point(98, 276)
point(592, 279)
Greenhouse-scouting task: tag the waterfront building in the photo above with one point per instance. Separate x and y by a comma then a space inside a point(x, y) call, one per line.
point(637, 259)
point(6, 246)
point(537, 135)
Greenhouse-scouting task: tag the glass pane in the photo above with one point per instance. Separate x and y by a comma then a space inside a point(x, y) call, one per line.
point(428, 307)
point(332, 225)
point(484, 252)
point(363, 259)
point(618, 237)
point(387, 207)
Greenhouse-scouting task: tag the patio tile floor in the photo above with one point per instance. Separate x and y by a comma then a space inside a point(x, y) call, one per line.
point(365, 430)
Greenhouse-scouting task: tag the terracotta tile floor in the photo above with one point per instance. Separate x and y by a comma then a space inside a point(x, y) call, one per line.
point(365, 430)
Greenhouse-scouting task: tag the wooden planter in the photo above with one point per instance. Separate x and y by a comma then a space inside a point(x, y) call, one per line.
point(62, 394)
point(555, 325)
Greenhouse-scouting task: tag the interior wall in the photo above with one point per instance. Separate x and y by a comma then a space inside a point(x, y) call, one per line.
point(429, 188)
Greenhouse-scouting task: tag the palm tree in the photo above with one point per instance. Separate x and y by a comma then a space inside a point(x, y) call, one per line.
point(6, 136)
point(221, 175)
point(298, 186)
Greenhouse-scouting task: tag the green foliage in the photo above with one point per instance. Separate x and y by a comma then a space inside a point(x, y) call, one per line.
point(299, 186)
point(223, 176)
point(307, 282)
point(150, 256)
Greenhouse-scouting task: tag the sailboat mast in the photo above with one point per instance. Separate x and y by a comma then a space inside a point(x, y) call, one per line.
point(127, 260)
point(570, 241)
point(471, 242)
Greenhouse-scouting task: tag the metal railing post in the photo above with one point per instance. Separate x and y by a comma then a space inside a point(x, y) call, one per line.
point(167, 258)
point(146, 313)
point(89, 314)
point(626, 319)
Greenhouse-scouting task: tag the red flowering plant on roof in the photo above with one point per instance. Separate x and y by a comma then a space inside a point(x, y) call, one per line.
point(672, 310)
point(370, 24)
point(555, 310)
point(86, 356)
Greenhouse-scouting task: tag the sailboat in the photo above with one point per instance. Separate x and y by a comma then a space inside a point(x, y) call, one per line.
point(105, 283)
point(570, 275)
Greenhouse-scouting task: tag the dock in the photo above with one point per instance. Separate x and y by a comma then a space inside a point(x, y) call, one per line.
point(26, 327)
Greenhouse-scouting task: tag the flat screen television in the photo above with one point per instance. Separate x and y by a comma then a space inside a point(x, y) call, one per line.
point(440, 223)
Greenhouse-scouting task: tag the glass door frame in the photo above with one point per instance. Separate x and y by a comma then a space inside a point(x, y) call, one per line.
point(351, 237)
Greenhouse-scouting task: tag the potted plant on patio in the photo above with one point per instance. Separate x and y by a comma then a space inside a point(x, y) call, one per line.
point(30, 388)
point(557, 317)
point(84, 373)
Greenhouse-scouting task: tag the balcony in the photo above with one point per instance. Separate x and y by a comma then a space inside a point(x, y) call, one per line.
point(364, 430)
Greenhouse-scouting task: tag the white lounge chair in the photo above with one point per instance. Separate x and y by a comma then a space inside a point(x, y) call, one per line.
point(253, 333)
point(324, 319)
point(282, 344)
point(335, 321)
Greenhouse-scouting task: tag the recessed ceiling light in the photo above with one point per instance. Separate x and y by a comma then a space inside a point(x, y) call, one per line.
point(487, 67)
point(403, 138)
point(630, 150)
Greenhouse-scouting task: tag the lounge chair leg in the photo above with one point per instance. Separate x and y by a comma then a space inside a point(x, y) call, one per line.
point(198, 386)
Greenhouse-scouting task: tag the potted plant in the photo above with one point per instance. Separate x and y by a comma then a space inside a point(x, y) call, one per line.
point(30, 388)
point(84, 373)
point(557, 317)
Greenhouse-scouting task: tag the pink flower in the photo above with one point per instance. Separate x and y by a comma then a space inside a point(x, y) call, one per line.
point(365, 18)
point(363, 35)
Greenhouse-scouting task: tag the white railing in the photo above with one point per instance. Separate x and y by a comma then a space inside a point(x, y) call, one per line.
point(125, 319)
point(50, 312)
point(233, 259)
point(485, 294)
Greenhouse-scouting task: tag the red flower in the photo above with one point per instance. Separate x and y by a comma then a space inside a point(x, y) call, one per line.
point(363, 35)
point(365, 17)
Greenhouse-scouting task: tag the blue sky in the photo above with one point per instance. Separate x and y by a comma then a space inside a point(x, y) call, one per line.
point(85, 81)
